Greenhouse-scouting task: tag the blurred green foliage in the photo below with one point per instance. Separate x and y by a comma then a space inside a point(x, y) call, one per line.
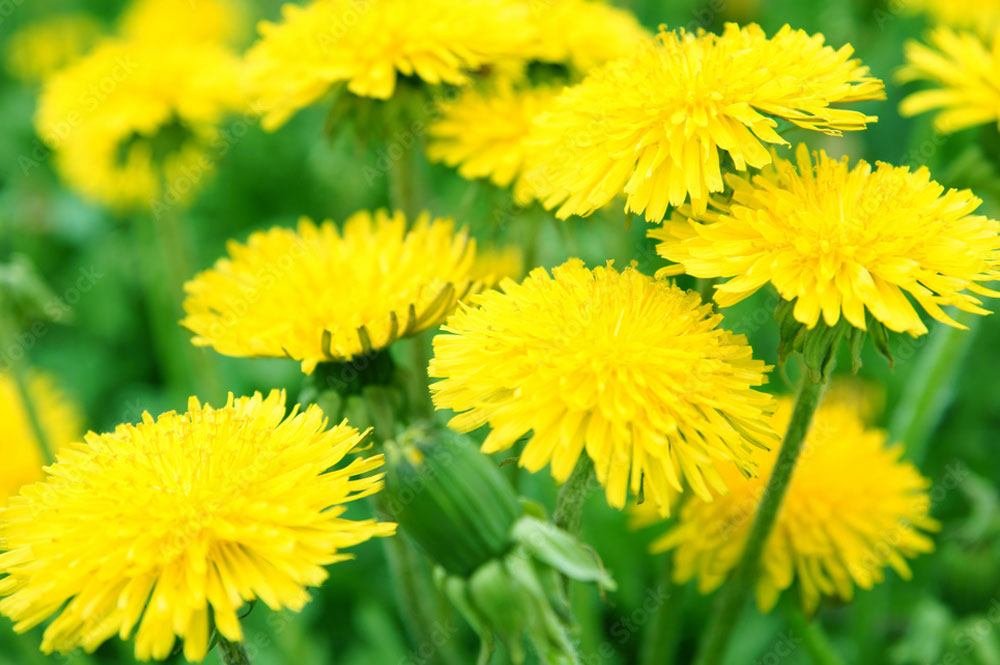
point(949, 614)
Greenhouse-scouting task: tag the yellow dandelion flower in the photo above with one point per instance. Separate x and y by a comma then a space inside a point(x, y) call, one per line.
point(653, 125)
point(318, 295)
point(981, 15)
point(42, 48)
point(22, 458)
point(840, 241)
point(631, 371)
point(132, 122)
point(966, 74)
point(483, 133)
point(167, 527)
point(853, 507)
point(169, 21)
point(494, 264)
point(368, 45)
point(583, 34)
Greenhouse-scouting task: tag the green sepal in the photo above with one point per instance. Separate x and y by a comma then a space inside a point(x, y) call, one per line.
point(495, 596)
point(557, 548)
point(819, 345)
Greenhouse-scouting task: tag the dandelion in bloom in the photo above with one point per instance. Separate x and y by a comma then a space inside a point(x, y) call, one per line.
point(166, 528)
point(170, 22)
point(318, 294)
point(133, 123)
point(42, 48)
point(22, 455)
point(852, 509)
point(483, 133)
point(652, 125)
point(633, 372)
point(584, 34)
point(841, 241)
point(964, 73)
point(369, 46)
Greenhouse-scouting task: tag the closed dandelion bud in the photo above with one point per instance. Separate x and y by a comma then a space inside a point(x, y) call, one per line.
point(451, 499)
point(501, 567)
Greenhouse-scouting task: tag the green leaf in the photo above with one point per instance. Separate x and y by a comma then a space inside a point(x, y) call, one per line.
point(555, 547)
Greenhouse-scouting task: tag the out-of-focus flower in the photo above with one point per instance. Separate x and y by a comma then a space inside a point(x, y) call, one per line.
point(173, 21)
point(168, 527)
point(853, 508)
point(495, 264)
point(39, 49)
point(841, 241)
point(369, 45)
point(133, 123)
point(965, 73)
point(631, 371)
point(318, 294)
point(583, 34)
point(483, 133)
point(980, 15)
point(653, 125)
point(22, 456)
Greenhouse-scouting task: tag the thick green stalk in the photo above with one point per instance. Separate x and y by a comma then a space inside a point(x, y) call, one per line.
point(233, 653)
point(569, 506)
point(738, 589)
point(930, 387)
point(814, 639)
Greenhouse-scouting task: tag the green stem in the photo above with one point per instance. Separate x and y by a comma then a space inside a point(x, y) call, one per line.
point(930, 387)
point(814, 639)
point(740, 585)
point(660, 643)
point(403, 183)
point(569, 505)
point(705, 286)
point(19, 371)
point(233, 653)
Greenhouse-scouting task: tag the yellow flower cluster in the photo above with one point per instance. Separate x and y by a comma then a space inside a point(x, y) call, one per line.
point(169, 22)
point(166, 528)
point(653, 125)
point(853, 508)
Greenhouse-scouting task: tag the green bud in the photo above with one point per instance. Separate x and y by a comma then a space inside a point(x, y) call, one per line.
point(450, 498)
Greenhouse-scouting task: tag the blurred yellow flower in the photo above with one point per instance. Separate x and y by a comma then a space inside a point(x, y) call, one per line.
point(22, 457)
point(631, 371)
point(318, 294)
point(368, 45)
point(652, 125)
point(840, 241)
point(483, 133)
point(494, 264)
point(168, 527)
point(133, 124)
point(980, 15)
point(172, 22)
point(853, 507)
point(583, 34)
point(39, 49)
point(965, 73)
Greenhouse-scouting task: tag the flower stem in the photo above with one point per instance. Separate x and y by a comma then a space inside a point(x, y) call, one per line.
point(660, 643)
point(736, 591)
point(930, 387)
point(569, 506)
point(233, 653)
point(814, 639)
point(20, 373)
